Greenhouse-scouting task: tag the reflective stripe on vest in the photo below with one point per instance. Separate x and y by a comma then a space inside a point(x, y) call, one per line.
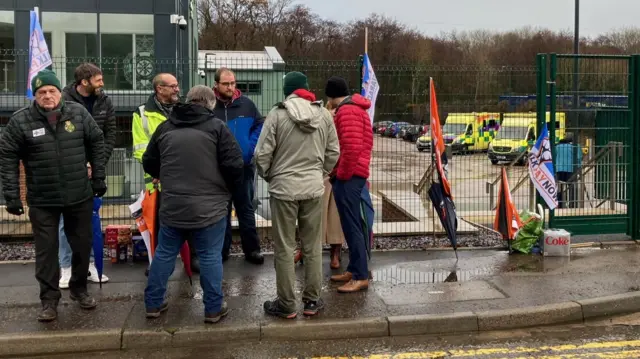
point(145, 122)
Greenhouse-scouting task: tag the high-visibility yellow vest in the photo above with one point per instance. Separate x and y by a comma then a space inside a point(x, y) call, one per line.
point(144, 124)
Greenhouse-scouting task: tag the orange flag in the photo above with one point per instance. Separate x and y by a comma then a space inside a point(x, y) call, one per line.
point(507, 220)
point(437, 139)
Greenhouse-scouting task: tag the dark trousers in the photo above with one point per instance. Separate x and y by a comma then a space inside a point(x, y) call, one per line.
point(77, 226)
point(347, 197)
point(567, 188)
point(242, 199)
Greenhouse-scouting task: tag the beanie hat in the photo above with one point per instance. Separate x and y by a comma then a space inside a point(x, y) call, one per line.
point(45, 78)
point(336, 87)
point(294, 81)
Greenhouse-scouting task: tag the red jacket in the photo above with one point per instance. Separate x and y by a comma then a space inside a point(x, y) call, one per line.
point(356, 138)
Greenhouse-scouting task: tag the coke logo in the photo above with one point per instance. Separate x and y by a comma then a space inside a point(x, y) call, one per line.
point(560, 241)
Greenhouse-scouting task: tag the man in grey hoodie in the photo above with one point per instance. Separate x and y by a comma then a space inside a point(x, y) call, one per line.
point(297, 147)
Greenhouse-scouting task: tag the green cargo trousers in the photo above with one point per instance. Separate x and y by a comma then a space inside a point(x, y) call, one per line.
point(284, 214)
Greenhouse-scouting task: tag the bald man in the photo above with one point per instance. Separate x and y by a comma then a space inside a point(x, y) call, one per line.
point(146, 118)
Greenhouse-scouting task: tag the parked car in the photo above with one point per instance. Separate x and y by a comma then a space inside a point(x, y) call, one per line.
point(395, 128)
point(411, 133)
point(380, 124)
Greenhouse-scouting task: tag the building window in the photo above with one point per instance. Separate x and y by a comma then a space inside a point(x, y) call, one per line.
point(72, 41)
point(80, 48)
point(127, 51)
point(7, 55)
point(250, 87)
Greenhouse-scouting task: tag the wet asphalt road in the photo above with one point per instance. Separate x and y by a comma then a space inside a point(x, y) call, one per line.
point(611, 338)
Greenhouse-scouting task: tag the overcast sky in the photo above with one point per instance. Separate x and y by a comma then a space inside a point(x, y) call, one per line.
point(434, 16)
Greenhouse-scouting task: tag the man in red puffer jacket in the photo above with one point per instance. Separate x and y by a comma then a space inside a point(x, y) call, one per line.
point(350, 176)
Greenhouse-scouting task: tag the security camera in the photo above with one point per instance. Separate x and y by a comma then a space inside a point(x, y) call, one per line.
point(182, 23)
point(201, 73)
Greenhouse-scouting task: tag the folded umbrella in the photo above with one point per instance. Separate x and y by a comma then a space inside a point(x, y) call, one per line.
point(446, 210)
point(98, 239)
point(367, 214)
point(185, 254)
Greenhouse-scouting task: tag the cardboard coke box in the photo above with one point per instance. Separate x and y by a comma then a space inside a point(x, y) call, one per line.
point(556, 243)
point(116, 236)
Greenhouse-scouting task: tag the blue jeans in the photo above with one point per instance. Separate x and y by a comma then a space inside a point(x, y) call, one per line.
point(347, 196)
point(64, 250)
point(208, 242)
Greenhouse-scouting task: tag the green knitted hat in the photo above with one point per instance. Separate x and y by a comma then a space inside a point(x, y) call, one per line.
point(294, 81)
point(45, 78)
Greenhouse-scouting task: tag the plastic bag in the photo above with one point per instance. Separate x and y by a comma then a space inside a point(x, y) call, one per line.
point(530, 232)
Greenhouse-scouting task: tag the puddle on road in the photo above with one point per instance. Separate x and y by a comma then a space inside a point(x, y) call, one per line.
point(427, 272)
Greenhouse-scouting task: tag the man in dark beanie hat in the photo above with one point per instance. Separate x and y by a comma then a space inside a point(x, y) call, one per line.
point(297, 147)
point(350, 176)
point(55, 140)
point(294, 81)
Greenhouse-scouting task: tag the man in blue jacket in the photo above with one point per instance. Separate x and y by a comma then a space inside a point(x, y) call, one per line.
point(245, 122)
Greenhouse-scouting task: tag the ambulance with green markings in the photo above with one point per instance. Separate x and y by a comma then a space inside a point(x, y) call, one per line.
point(518, 134)
point(466, 132)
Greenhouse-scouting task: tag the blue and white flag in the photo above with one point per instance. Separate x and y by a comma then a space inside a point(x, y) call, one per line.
point(541, 169)
point(370, 86)
point(39, 57)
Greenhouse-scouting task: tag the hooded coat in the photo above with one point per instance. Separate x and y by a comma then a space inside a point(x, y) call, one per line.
point(198, 162)
point(297, 147)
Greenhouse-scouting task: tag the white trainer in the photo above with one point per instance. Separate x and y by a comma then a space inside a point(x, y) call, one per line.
point(65, 277)
point(93, 274)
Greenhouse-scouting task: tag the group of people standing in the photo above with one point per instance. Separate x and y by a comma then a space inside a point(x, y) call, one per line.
point(202, 154)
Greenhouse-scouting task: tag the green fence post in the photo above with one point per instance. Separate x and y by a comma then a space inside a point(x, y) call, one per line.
point(633, 186)
point(552, 122)
point(541, 107)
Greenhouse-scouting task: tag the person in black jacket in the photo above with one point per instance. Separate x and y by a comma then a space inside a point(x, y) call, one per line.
point(199, 164)
point(245, 122)
point(55, 140)
point(87, 91)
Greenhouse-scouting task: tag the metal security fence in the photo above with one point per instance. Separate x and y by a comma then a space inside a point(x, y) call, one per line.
point(489, 112)
point(592, 142)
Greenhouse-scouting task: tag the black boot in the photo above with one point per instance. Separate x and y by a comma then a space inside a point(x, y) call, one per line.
point(48, 313)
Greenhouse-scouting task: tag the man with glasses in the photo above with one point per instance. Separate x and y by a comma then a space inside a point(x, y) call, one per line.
point(166, 94)
point(245, 122)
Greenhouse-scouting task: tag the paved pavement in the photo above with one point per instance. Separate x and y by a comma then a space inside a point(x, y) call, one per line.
point(407, 284)
point(618, 337)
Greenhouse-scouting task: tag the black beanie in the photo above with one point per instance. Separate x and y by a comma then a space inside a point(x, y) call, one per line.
point(336, 87)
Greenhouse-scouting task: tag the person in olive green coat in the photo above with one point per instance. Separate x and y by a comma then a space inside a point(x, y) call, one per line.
point(297, 148)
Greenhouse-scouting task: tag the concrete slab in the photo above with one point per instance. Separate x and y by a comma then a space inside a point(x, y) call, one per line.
point(59, 342)
point(108, 315)
point(433, 324)
point(610, 305)
point(530, 316)
point(326, 329)
point(416, 294)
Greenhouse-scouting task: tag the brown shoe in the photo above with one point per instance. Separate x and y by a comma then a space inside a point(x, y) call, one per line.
point(335, 256)
point(344, 277)
point(354, 286)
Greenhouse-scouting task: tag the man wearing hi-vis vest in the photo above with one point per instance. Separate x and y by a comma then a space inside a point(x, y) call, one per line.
point(148, 117)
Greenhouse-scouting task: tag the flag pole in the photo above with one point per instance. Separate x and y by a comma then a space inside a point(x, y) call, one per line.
point(366, 40)
point(433, 210)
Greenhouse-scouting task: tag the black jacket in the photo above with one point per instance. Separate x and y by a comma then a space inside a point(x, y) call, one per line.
point(103, 113)
point(198, 163)
point(55, 159)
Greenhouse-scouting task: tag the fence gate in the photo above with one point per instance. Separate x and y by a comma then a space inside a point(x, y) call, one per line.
point(591, 102)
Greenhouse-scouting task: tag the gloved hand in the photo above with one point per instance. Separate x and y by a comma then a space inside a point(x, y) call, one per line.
point(15, 207)
point(99, 187)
